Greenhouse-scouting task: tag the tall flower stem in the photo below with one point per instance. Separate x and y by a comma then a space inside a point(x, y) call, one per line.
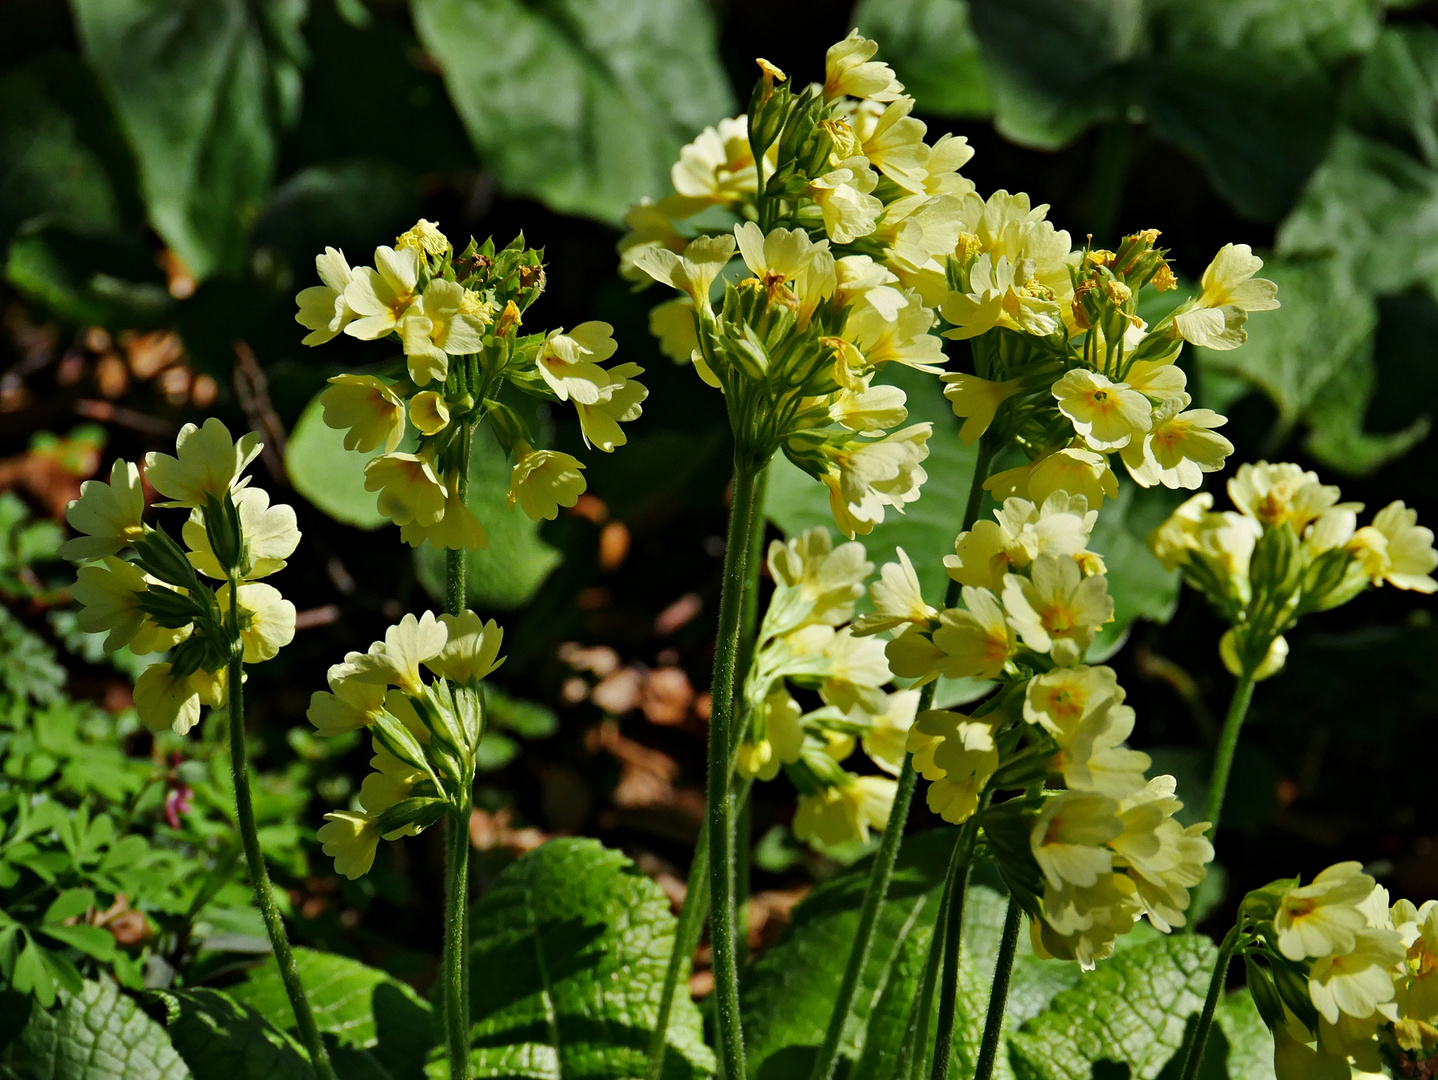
point(255, 858)
point(1227, 744)
point(743, 516)
point(1210, 1003)
point(951, 928)
point(922, 1015)
point(999, 994)
point(455, 960)
point(882, 872)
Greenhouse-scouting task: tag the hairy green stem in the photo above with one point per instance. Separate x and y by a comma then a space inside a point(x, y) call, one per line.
point(1210, 1003)
point(882, 872)
point(952, 928)
point(254, 856)
point(922, 1015)
point(999, 995)
point(743, 513)
point(1227, 744)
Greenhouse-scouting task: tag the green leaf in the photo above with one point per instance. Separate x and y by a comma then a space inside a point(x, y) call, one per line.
point(221, 1039)
point(1132, 1009)
point(95, 1034)
point(87, 280)
point(1250, 1043)
point(933, 50)
point(517, 562)
point(327, 474)
point(201, 94)
point(582, 104)
point(528, 719)
point(1141, 588)
point(360, 1007)
point(570, 949)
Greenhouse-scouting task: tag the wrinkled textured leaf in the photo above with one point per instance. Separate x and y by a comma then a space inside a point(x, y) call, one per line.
point(221, 1039)
point(933, 50)
point(1132, 1009)
point(570, 949)
point(327, 474)
point(201, 89)
point(582, 104)
point(97, 1034)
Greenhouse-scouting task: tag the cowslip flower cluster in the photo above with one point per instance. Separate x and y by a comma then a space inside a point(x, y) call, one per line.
point(805, 643)
point(1289, 547)
point(426, 734)
point(1343, 979)
point(456, 316)
point(157, 600)
point(841, 207)
point(1088, 858)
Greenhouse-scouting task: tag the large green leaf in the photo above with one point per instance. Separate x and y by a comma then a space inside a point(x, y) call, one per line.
point(327, 474)
point(221, 1039)
point(582, 104)
point(201, 88)
point(571, 944)
point(508, 573)
point(358, 1007)
point(97, 1034)
point(932, 48)
point(1132, 1009)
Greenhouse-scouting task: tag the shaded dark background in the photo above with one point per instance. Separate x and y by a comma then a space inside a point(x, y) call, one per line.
point(1337, 761)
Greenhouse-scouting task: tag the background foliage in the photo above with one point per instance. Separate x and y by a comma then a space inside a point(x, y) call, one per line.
point(167, 175)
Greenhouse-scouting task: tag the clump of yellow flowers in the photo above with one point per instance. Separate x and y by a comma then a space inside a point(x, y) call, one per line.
point(805, 642)
point(1088, 858)
point(456, 317)
point(158, 600)
point(1343, 980)
point(1289, 547)
point(426, 734)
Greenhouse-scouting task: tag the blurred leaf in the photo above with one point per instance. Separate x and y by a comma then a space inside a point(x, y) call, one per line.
point(933, 50)
point(528, 719)
point(361, 1008)
point(495, 752)
point(582, 940)
point(87, 280)
point(29, 670)
point(95, 1034)
point(1132, 1009)
point(1250, 1043)
point(1141, 588)
point(582, 104)
point(200, 90)
point(327, 474)
point(510, 572)
point(221, 1039)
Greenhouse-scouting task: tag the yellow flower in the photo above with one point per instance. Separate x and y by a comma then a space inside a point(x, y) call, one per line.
point(368, 408)
point(619, 403)
point(1056, 609)
point(409, 490)
point(544, 480)
point(1092, 755)
point(350, 839)
point(323, 311)
point(913, 655)
point(1177, 538)
point(108, 594)
point(1059, 700)
point(350, 704)
point(839, 815)
point(1081, 923)
point(1230, 291)
point(1323, 917)
point(1418, 997)
point(717, 168)
point(569, 363)
point(672, 324)
point(886, 736)
point(457, 528)
point(1164, 859)
point(975, 642)
point(976, 400)
point(958, 756)
point(1179, 449)
point(471, 650)
point(814, 582)
point(1002, 293)
point(396, 661)
point(844, 199)
point(1019, 534)
point(267, 619)
point(849, 69)
point(1108, 415)
point(109, 513)
point(893, 141)
point(1358, 981)
point(207, 463)
point(163, 701)
point(1404, 549)
point(863, 478)
point(870, 412)
point(390, 784)
point(649, 225)
point(380, 295)
point(1073, 470)
point(429, 412)
point(903, 339)
point(1280, 494)
point(269, 534)
point(788, 264)
point(898, 599)
point(784, 737)
point(1069, 837)
point(864, 282)
point(424, 237)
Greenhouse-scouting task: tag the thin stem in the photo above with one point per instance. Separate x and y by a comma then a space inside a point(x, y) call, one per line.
point(686, 940)
point(254, 856)
point(456, 894)
point(743, 841)
point(742, 517)
point(1210, 1003)
point(952, 929)
point(455, 597)
point(922, 1014)
point(1227, 744)
point(882, 871)
point(999, 995)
